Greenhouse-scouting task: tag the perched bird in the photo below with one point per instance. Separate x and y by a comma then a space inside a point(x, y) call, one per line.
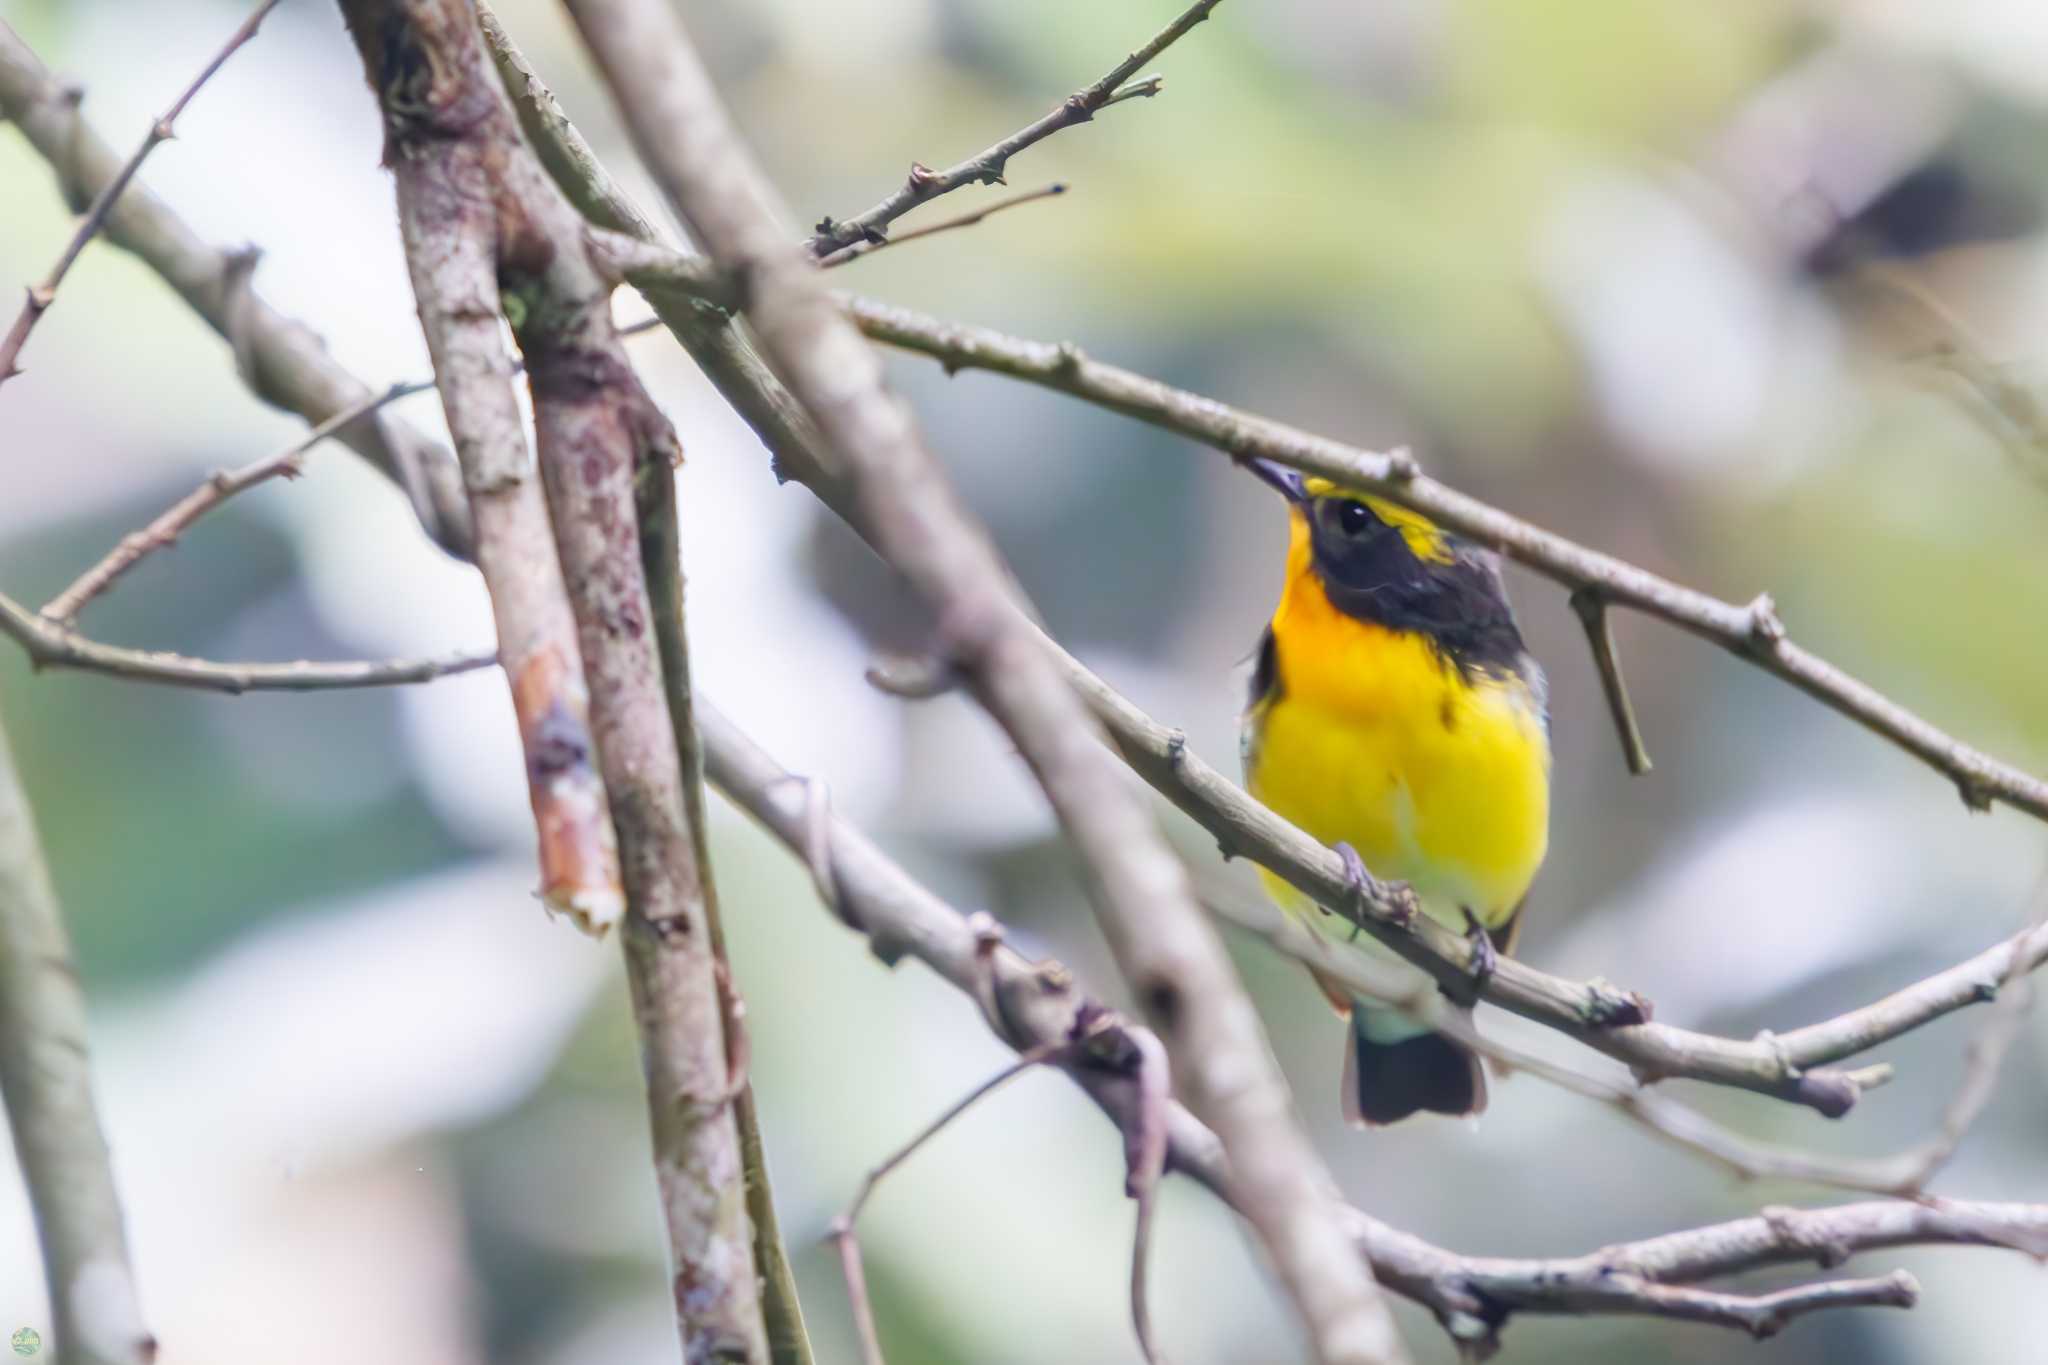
point(1395, 715)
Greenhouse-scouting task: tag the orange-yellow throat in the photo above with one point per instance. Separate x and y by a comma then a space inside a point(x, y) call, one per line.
point(1371, 736)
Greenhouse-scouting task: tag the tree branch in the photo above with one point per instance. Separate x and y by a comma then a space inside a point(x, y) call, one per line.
point(1039, 1005)
point(481, 217)
point(451, 242)
point(164, 529)
point(1609, 1019)
point(50, 644)
point(47, 1085)
point(1168, 950)
point(561, 150)
point(41, 296)
point(1751, 632)
point(869, 246)
point(282, 360)
point(987, 166)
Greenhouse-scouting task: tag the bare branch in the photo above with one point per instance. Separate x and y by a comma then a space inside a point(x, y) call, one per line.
point(1035, 1005)
point(843, 1232)
point(1751, 632)
point(451, 244)
point(173, 521)
point(47, 1086)
point(1168, 951)
point(481, 217)
point(281, 360)
point(52, 645)
point(1745, 631)
point(987, 166)
point(1592, 614)
point(41, 296)
point(869, 246)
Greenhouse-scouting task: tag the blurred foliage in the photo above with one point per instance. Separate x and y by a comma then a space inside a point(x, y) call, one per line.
point(1512, 235)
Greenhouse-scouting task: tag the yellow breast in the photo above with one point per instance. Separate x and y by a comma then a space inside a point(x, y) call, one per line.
point(1373, 739)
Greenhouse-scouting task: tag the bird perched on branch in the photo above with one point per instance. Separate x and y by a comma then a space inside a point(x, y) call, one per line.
point(1396, 716)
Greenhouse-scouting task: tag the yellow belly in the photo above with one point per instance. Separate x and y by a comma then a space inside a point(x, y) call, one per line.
point(1435, 780)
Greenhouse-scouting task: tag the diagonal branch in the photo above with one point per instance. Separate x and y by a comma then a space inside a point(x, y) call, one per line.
point(987, 166)
point(50, 644)
point(1168, 950)
point(47, 1086)
point(41, 296)
point(164, 529)
point(1034, 1005)
point(1752, 632)
point(282, 361)
point(870, 245)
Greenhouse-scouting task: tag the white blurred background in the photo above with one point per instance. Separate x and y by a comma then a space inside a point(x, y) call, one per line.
point(1685, 282)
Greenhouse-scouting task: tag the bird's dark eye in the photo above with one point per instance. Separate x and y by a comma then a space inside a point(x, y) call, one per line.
point(1353, 518)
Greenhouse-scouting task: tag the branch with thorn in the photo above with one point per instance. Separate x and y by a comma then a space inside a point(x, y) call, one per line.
point(281, 360)
point(986, 167)
point(161, 130)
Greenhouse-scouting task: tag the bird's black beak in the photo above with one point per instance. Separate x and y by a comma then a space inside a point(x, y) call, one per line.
point(1287, 480)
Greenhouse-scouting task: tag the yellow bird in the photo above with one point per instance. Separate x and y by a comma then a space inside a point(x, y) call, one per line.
point(1396, 716)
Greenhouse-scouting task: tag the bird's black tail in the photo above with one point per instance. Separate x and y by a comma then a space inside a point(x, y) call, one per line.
point(1386, 1081)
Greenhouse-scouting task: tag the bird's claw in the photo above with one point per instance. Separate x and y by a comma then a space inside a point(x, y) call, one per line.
point(1485, 959)
point(1360, 882)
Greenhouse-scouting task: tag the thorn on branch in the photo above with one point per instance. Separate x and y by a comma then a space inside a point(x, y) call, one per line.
point(739, 1046)
point(914, 678)
point(1591, 608)
point(1144, 1163)
point(1609, 1006)
point(1766, 631)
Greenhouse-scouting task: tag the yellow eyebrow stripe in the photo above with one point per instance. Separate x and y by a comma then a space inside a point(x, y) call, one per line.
point(1425, 539)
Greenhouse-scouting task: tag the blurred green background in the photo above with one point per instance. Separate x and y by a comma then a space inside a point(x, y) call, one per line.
point(1684, 282)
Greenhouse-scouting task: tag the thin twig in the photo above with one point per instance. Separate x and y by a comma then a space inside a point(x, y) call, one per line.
point(869, 246)
point(50, 644)
point(46, 1084)
point(41, 296)
point(842, 1232)
point(174, 520)
point(281, 360)
point(986, 167)
point(1145, 1159)
point(1592, 613)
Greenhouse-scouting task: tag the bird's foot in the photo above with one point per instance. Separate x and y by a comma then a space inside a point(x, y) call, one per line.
point(1485, 960)
point(1361, 883)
